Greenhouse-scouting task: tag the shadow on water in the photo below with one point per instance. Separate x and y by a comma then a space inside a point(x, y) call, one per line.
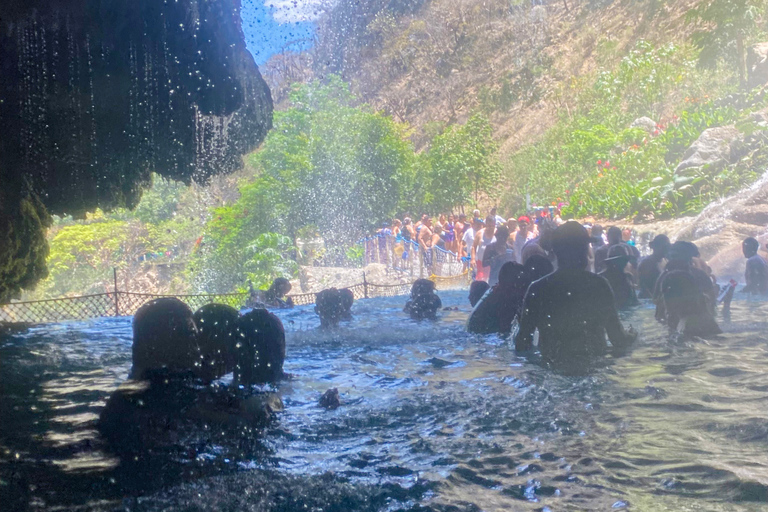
point(432, 418)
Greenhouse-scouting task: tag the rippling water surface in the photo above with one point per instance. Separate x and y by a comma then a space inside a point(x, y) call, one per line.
point(432, 418)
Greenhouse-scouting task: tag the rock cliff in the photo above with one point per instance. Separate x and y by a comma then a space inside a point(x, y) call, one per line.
point(96, 95)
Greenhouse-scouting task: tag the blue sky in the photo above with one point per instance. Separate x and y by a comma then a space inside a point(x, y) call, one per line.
point(270, 25)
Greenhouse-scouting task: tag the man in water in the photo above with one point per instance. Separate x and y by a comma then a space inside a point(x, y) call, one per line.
point(756, 274)
point(497, 254)
point(614, 238)
point(684, 294)
point(620, 281)
point(572, 309)
point(650, 267)
point(483, 238)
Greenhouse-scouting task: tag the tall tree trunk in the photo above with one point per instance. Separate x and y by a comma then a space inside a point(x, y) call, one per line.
point(742, 60)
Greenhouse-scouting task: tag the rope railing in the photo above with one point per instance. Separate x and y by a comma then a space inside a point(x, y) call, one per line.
point(410, 257)
point(120, 303)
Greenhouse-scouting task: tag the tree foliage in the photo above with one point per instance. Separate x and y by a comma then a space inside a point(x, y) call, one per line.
point(727, 25)
point(462, 165)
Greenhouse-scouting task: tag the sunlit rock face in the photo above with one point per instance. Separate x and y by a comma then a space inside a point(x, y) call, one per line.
point(97, 94)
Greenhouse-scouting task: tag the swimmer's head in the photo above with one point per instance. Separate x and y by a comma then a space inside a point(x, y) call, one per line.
point(280, 286)
point(683, 251)
point(502, 234)
point(511, 274)
point(538, 266)
point(749, 247)
point(422, 287)
point(660, 245)
point(329, 306)
point(476, 291)
point(614, 235)
point(570, 242)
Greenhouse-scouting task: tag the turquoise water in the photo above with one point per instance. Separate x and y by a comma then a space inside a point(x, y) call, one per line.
point(432, 418)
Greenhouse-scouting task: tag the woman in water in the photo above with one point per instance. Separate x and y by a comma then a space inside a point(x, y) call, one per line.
point(275, 296)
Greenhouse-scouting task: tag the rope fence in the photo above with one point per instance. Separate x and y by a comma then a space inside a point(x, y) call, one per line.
point(411, 258)
point(120, 303)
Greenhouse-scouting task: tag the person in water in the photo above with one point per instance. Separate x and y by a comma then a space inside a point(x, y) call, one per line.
point(276, 295)
point(620, 281)
point(684, 294)
point(347, 299)
point(614, 238)
point(476, 291)
point(756, 274)
point(572, 309)
point(651, 267)
point(330, 306)
point(497, 309)
point(424, 302)
point(497, 254)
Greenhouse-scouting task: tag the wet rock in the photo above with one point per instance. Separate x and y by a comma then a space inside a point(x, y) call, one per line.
point(164, 337)
point(757, 65)
point(714, 147)
point(330, 399)
point(97, 95)
point(644, 123)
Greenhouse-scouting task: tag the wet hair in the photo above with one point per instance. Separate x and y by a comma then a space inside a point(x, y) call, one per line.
point(476, 291)
point(597, 230)
point(347, 299)
point(681, 250)
point(751, 244)
point(261, 353)
point(570, 242)
point(614, 235)
point(329, 306)
point(275, 290)
point(511, 273)
point(660, 244)
point(423, 303)
point(502, 233)
point(538, 266)
point(422, 287)
point(406, 221)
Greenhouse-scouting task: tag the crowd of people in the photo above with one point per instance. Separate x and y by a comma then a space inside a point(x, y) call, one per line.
point(565, 280)
point(468, 238)
point(567, 283)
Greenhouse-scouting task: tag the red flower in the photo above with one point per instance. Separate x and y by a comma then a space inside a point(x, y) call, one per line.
point(599, 162)
point(607, 164)
point(567, 192)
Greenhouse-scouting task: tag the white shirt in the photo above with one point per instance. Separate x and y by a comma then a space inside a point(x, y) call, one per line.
point(519, 243)
point(483, 244)
point(469, 239)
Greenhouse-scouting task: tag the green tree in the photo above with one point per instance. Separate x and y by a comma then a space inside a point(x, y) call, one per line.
point(336, 165)
point(728, 24)
point(462, 165)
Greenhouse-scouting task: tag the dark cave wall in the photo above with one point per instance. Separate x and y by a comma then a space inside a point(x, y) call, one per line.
point(96, 95)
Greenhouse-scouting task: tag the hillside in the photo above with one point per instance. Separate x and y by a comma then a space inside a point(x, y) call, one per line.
point(434, 65)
